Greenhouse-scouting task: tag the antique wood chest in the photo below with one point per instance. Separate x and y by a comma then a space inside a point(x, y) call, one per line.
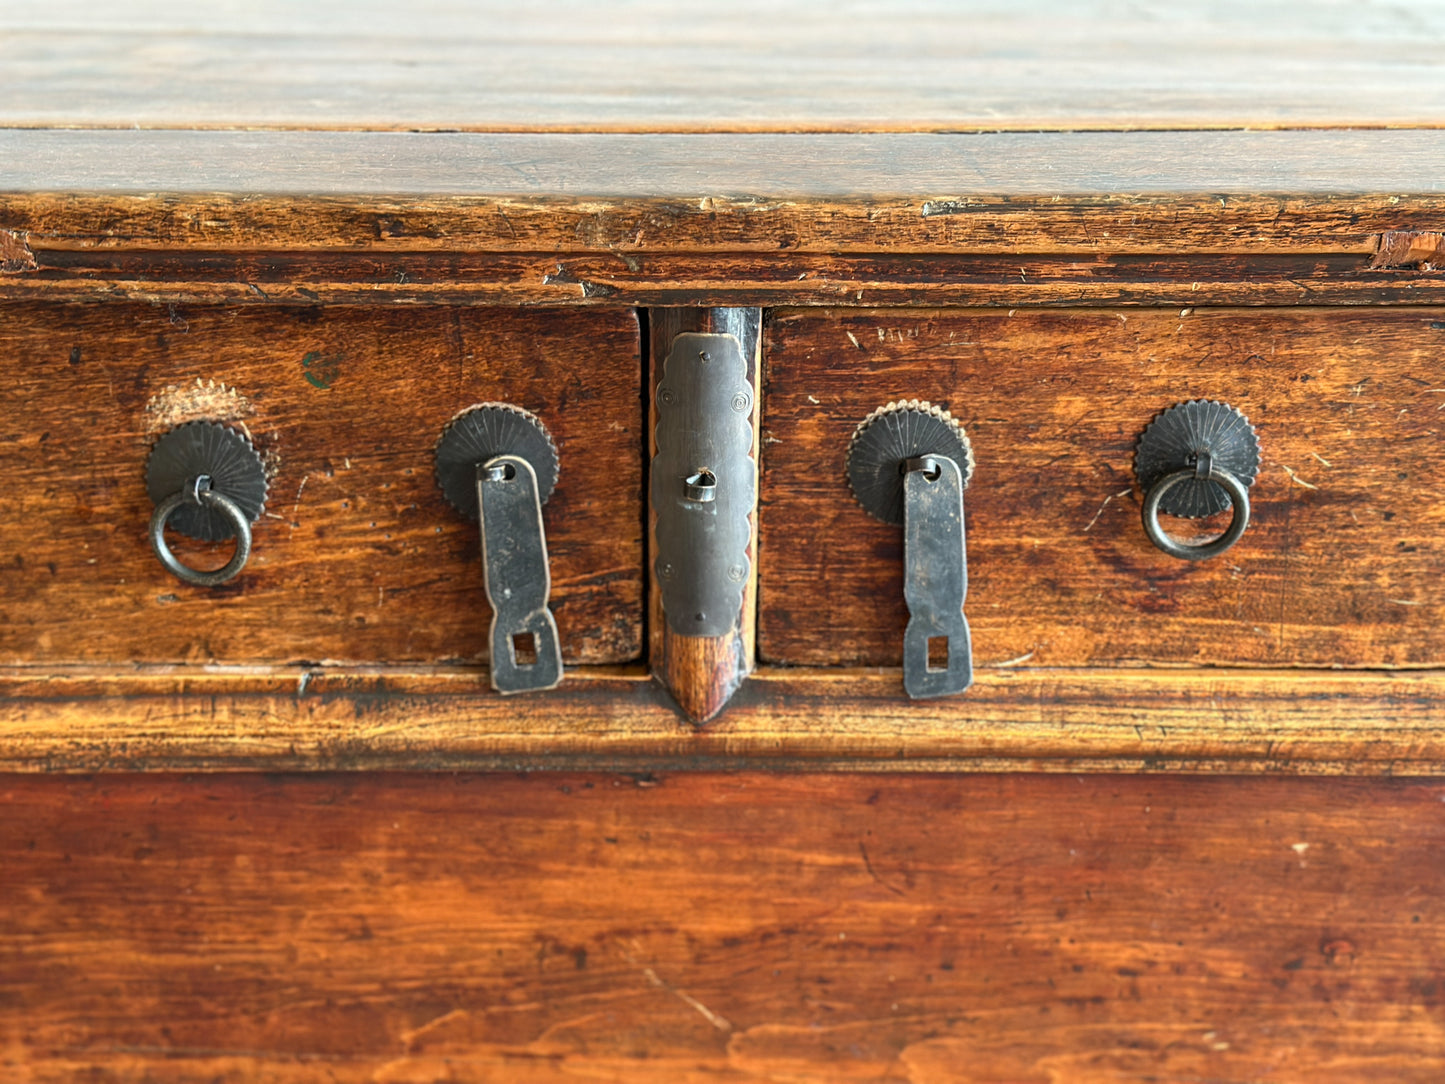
point(477, 342)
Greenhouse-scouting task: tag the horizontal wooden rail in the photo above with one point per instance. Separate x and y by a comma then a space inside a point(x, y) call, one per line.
point(1165, 720)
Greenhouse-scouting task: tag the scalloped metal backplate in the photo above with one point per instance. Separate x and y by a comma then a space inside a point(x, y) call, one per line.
point(704, 423)
point(1175, 438)
point(209, 448)
point(888, 436)
point(484, 432)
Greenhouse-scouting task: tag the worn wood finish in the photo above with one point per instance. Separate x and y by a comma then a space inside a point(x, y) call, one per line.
point(745, 928)
point(750, 65)
point(358, 556)
point(1072, 720)
point(670, 280)
point(703, 672)
point(1094, 192)
point(1340, 566)
point(936, 167)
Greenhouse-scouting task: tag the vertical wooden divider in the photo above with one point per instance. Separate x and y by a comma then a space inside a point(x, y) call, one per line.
point(702, 673)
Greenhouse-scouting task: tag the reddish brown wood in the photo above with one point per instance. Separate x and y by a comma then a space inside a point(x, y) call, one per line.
point(703, 672)
point(702, 927)
point(15, 254)
point(1421, 249)
point(1340, 566)
point(733, 279)
point(358, 556)
point(1170, 720)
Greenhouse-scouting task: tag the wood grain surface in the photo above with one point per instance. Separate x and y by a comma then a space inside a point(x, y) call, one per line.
point(358, 556)
point(721, 279)
point(1094, 192)
point(655, 65)
point(1340, 565)
point(782, 718)
point(813, 928)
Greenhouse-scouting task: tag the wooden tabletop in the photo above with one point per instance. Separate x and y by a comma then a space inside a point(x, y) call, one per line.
point(751, 65)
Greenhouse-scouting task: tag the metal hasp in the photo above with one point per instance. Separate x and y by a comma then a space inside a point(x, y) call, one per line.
point(496, 463)
point(208, 483)
point(1194, 460)
point(704, 499)
point(703, 484)
point(908, 465)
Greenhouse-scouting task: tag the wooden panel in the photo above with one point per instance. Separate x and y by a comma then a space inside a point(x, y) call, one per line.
point(358, 556)
point(1341, 565)
point(993, 930)
point(1014, 718)
point(1094, 192)
point(645, 64)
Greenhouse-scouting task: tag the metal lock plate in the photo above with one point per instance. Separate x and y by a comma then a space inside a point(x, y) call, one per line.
point(704, 483)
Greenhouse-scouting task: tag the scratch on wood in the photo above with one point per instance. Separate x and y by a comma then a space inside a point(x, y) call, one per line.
point(1295, 478)
point(1100, 512)
point(296, 507)
point(410, 1037)
point(1396, 250)
point(1017, 660)
point(15, 254)
point(687, 999)
point(868, 865)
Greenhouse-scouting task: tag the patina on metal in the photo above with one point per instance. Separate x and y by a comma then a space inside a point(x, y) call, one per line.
point(526, 652)
point(908, 464)
point(704, 483)
point(208, 483)
point(935, 580)
point(496, 463)
point(482, 433)
point(1194, 460)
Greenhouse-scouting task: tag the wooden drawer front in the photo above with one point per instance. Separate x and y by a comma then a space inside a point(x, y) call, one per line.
point(358, 557)
point(1340, 566)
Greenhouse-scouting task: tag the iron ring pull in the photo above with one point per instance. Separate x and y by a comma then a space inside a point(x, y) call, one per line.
point(199, 491)
point(1239, 502)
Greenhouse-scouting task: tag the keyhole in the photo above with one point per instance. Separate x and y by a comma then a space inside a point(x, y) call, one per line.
point(701, 486)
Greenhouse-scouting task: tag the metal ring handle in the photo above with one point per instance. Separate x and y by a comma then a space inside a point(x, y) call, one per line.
point(230, 509)
point(1238, 497)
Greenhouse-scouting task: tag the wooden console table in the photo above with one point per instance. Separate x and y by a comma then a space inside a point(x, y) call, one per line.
point(1184, 825)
